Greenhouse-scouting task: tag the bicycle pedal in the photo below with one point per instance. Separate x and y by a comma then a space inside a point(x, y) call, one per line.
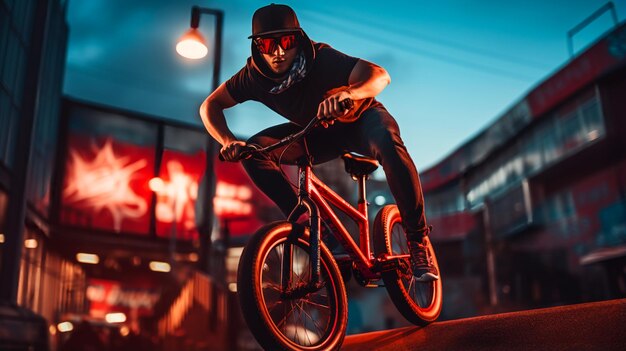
point(371, 285)
point(389, 265)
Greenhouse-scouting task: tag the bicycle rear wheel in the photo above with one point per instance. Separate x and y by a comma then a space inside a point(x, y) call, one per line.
point(300, 320)
point(420, 303)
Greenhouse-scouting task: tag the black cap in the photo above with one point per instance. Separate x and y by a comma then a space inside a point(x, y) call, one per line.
point(274, 18)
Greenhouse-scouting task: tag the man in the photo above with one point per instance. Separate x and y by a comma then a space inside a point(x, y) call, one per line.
point(300, 79)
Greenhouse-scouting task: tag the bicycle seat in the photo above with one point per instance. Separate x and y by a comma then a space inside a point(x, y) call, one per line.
point(359, 165)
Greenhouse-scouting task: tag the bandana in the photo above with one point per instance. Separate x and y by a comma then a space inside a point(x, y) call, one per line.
point(296, 73)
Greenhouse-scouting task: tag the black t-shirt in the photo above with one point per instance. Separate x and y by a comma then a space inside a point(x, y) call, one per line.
point(300, 101)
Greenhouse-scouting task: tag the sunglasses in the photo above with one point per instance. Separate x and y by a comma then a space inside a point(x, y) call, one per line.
point(269, 45)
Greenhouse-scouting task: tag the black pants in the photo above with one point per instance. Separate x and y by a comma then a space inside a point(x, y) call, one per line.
point(374, 134)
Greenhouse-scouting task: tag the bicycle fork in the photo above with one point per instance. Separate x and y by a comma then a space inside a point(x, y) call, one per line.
point(305, 205)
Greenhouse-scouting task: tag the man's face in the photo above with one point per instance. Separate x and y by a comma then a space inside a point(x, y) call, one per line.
point(273, 50)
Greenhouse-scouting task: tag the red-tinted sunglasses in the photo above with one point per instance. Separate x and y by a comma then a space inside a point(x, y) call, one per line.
point(269, 45)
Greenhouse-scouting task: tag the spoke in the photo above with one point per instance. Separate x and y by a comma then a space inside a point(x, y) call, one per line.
point(295, 310)
point(306, 330)
point(422, 296)
point(301, 310)
point(414, 292)
point(287, 316)
point(270, 308)
point(411, 284)
point(295, 321)
point(294, 307)
point(272, 286)
point(296, 259)
point(322, 296)
point(317, 304)
point(310, 316)
point(396, 236)
point(321, 331)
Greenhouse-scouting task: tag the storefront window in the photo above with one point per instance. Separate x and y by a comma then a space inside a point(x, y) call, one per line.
point(29, 287)
point(110, 161)
point(183, 165)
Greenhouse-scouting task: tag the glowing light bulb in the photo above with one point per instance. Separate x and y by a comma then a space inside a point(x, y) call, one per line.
point(191, 45)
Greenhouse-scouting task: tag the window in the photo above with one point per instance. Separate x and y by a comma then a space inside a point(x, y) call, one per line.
point(547, 141)
point(444, 202)
point(559, 135)
point(183, 165)
point(29, 287)
point(110, 160)
point(112, 164)
point(592, 119)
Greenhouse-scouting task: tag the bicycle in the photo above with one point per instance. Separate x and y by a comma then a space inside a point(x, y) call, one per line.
point(289, 284)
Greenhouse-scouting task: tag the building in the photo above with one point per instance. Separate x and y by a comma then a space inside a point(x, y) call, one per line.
point(130, 205)
point(83, 235)
point(155, 222)
point(532, 211)
point(32, 61)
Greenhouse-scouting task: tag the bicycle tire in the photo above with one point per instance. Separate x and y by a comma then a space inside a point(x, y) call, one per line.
point(259, 287)
point(419, 303)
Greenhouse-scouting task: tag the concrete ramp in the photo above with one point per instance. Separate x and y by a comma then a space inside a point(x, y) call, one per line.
point(589, 326)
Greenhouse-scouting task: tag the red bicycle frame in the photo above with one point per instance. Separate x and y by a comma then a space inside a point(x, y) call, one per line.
point(314, 196)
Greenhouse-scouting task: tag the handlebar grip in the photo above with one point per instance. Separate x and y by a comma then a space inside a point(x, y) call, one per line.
point(347, 104)
point(246, 151)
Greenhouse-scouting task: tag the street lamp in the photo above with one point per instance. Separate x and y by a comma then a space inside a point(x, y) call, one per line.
point(192, 45)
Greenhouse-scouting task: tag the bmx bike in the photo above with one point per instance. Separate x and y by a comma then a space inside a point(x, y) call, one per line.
point(290, 286)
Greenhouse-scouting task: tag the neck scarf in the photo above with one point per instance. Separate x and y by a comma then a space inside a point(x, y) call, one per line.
point(296, 73)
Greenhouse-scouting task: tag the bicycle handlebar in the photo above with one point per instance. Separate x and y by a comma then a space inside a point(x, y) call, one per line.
point(252, 149)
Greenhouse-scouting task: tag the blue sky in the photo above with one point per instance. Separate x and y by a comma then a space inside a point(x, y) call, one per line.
point(455, 65)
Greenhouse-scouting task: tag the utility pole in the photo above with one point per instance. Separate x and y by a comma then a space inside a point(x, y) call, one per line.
point(491, 261)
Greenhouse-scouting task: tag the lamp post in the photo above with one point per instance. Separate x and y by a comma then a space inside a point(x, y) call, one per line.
point(192, 45)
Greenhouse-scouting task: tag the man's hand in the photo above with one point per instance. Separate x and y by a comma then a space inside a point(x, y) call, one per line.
point(331, 109)
point(231, 151)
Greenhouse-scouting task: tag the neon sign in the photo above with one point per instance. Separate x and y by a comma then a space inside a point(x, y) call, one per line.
point(105, 296)
point(232, 200)
point(102, 183)
point(177, 196)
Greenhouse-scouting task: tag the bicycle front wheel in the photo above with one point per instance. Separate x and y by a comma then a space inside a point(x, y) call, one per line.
point(280, 308)
point(419, 302)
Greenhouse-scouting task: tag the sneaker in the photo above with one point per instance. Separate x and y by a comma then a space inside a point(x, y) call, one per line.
point(421, 262)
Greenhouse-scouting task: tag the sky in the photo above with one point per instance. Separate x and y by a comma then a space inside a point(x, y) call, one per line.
point(455, 65)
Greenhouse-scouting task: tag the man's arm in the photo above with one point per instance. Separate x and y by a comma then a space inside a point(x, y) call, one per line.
point(212, 114)
point(366, 80)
